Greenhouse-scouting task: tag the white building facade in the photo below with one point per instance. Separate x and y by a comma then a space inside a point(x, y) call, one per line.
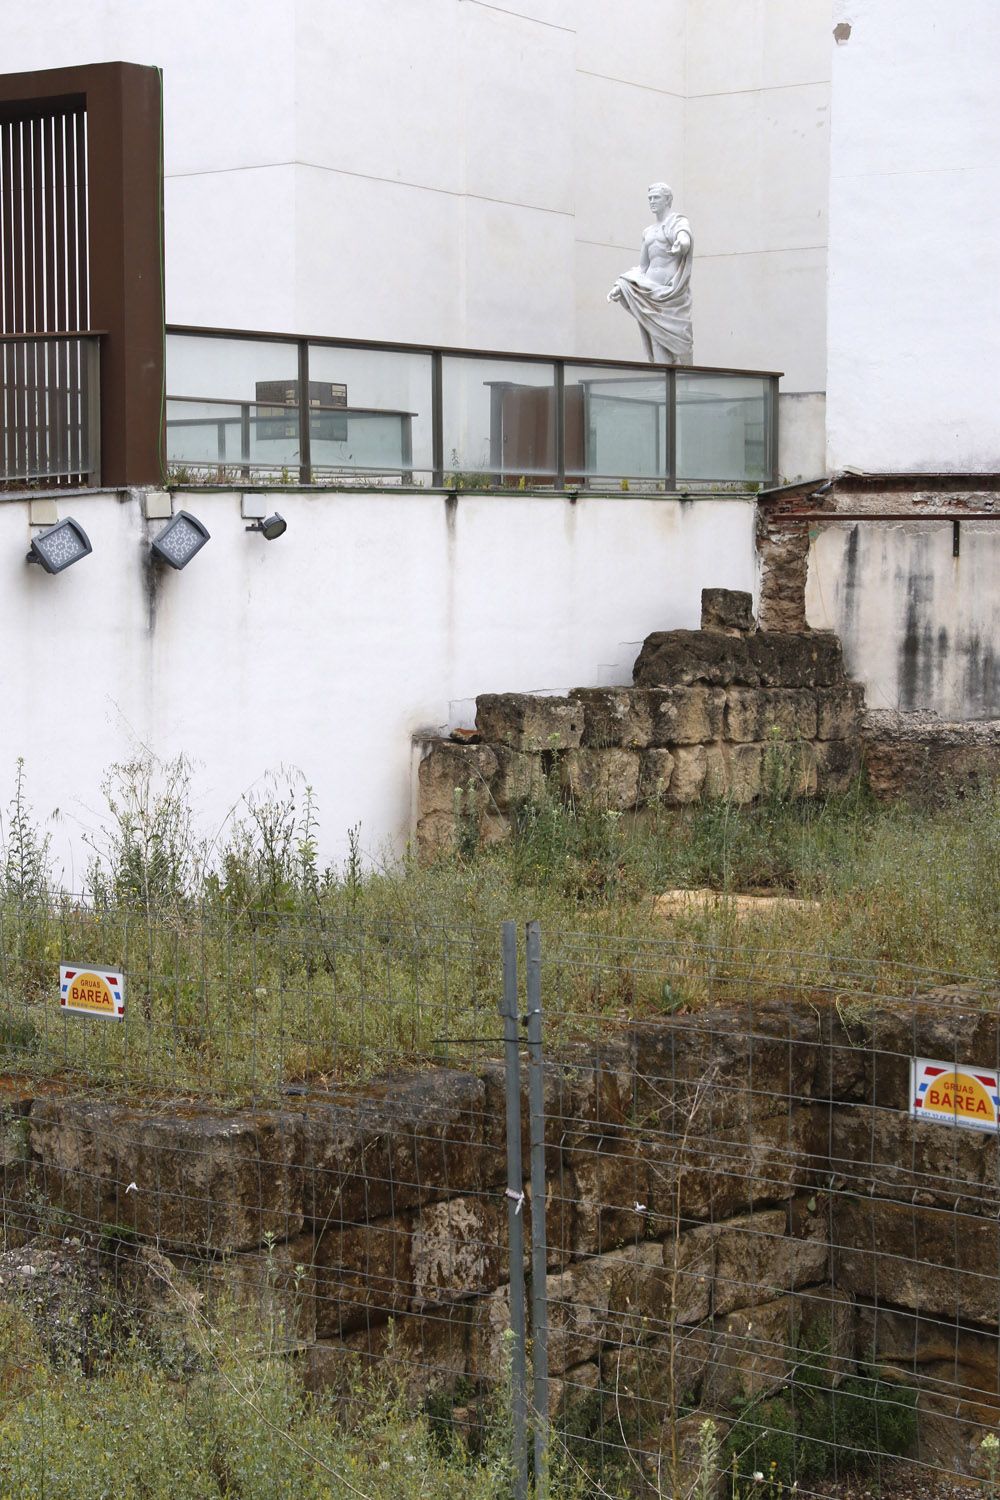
point(472, 174)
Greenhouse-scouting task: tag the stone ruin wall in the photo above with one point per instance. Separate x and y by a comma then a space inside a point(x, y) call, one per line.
point(720, 1185)
point(713, 713)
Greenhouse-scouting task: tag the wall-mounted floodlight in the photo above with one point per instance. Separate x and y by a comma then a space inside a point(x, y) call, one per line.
point(60, 546)
point(271, 527)
point(180, 539)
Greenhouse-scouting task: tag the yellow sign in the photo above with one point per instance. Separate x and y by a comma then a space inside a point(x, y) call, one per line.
point(954, 1095)
point(92, 992)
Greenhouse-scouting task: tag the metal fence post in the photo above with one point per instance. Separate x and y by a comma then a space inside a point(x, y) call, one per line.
point(305, 417)
point(515, 1207)
point(539, 1253)
point(437, 419)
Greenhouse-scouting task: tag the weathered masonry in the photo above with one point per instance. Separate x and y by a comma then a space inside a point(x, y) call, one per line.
point(714, 712)
point(724, 1189)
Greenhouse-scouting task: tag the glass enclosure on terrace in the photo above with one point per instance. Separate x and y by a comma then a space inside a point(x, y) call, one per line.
point(256, 408)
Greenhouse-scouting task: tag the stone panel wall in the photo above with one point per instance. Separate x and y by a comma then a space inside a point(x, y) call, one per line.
point(721, 1186)
point(714, 712)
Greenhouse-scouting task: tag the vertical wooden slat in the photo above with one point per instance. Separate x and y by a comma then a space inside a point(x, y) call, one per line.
point(38, 276)
point(6, 367)
point(72, 296)
point(51, 354)
point(28, 314)
point(17, 285)
point(82, 282)
point(83, 226)
point(59, 423)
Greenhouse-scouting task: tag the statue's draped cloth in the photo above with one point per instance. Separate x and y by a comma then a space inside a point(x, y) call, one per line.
point(663, 313)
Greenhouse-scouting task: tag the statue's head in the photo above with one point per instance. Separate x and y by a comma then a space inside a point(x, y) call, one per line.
point(660, 196)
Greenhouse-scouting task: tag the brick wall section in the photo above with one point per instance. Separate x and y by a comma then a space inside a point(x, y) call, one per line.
point(713, 712)
point(783, 541)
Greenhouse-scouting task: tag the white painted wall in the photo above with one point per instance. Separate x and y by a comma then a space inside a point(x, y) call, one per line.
point(756, 166)
point(374, 616)
point(914, 321)
point(920, 626)
point(801, 436)
point(472, 173)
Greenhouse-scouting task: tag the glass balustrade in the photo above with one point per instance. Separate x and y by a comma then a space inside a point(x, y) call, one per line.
point(251, 407)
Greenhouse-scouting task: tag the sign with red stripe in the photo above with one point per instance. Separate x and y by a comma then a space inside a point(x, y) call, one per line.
point(955, 1093)
point(92, 992)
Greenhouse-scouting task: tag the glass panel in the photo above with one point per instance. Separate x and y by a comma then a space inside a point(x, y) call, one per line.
point(372, 412)
point(616, 424)
point(232, 405)
point(722, 429)
point(499, 418)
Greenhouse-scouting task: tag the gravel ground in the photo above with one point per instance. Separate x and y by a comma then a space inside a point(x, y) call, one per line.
point(902, 1481)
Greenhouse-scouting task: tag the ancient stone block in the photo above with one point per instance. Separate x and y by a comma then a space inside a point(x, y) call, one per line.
point(369, 1157)
point(756, 1259)
point(605, 779)
point(717, 782)
point(678, 658)
point(770, 713)
point(656, 767)
point(458, 1248)
point(579, 1303)
point(449, 769)
point(689, 1268)
point(573, 1390)
point(437, 837)
point(727, 610)
point(918, 1257)
point(204, 1180)
point(839, 711)
point(955, 1022)
point(744, 771)
point(728, 1173)
point(363, 1274)
point(640, 1385)
point(684, 716)
point(954, 1368)
point(488, 1326)
point(754, 1351)
point(277, 1288)
point(525, 722)
point(919, 758)
point(710, 1071)
point(688, 776)
point(838, 763)
point(811, 659)
point(610, 1189)
point(520, 778)
point(912, 1160)
point(613, 718)
point(425, 1355)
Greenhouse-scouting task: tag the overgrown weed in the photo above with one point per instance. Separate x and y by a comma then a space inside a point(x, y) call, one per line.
point(250, 965)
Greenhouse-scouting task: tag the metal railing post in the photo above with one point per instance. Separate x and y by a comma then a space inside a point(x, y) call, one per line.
point(515, 1211)
point(437, 419)
point(245, 438)
point(539, 1249)
point(560, 424)
point(305, 430)
point(671, 465)
point(93, 411)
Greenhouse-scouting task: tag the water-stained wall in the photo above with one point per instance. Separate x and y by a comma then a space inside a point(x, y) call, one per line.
point(918, 611)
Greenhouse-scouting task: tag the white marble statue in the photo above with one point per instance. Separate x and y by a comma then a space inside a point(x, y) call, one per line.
point(657, 292)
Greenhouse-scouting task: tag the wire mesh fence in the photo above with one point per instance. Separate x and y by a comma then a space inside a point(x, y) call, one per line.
point(713, 1220)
